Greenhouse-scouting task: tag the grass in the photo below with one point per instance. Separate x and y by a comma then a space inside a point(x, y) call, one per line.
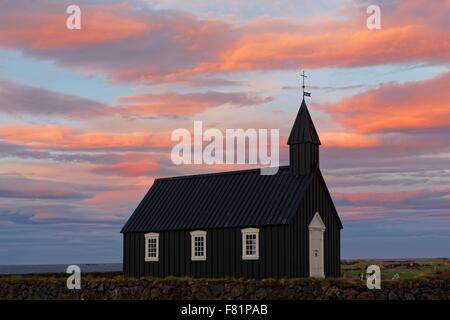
point(351, 270)
point(406, 269)
point(60, 277)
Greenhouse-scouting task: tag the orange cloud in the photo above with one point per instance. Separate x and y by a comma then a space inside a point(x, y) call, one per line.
point(338, 139)
point(177, 104)
point(271, 44)
point(148, 45)
point(39, 29)
point(64, 138)
point(111, 200)
point(396, 107)
point(345, 46)
point(394, 204)
point(382, 197)
point(429, 199)
point(129, 169)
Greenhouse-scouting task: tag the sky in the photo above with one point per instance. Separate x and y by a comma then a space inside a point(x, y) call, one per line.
point(86, 115)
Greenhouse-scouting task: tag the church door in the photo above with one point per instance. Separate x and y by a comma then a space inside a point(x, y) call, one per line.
point(316, 248)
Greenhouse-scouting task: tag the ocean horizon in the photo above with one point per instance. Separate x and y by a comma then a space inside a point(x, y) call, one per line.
point(59, 268)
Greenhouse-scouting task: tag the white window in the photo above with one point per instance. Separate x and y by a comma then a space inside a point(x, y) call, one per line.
point(151, 246)
point(250, 244)
point(198, 245)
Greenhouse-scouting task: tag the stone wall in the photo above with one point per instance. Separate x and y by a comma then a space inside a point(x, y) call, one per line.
point(120, 288)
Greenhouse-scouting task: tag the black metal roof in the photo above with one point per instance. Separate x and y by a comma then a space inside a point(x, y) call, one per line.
point(219, 200)
point(303, 129)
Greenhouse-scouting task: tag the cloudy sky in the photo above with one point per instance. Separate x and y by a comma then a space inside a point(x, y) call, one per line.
point(86, 115)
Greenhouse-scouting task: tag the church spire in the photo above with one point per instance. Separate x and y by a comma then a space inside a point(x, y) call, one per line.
point(303, 130)
point(303, 142)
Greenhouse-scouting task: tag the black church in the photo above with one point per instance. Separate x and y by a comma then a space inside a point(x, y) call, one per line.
point(240, 223)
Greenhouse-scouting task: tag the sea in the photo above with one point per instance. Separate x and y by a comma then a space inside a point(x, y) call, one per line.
point(59, 268)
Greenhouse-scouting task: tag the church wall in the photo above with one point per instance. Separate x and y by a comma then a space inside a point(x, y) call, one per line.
point(315, 200)
point(223, 252)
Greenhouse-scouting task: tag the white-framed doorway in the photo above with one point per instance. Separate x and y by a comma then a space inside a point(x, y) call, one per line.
point(316, 247)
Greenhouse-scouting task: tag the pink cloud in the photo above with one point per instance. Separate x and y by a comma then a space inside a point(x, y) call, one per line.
point(393, 205)
point(171, 46)
point(129, 168)
point(178, 104)
point(22, 99)
point(43, 25)
point(58, 137)
point(341, 139)
point(16, 186)
point(395, 107)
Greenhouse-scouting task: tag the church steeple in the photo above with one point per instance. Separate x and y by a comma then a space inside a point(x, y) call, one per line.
point(303, 144)
point(303, 130)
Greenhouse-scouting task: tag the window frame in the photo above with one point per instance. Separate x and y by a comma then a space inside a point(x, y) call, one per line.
point(149, 236)
point(194, 234)
point(245, 232)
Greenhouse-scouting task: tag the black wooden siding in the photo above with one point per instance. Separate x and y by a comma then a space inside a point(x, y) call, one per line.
point(223, 252)
point(309, 153)
point(284, 249)
point(316, 199)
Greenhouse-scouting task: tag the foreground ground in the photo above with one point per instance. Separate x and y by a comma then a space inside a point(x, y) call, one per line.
point(400, 269)
point(405, 280)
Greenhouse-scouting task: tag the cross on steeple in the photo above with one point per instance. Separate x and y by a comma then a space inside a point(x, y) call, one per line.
point(305, 94)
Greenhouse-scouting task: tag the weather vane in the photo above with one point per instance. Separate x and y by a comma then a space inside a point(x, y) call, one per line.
point(305, 94)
